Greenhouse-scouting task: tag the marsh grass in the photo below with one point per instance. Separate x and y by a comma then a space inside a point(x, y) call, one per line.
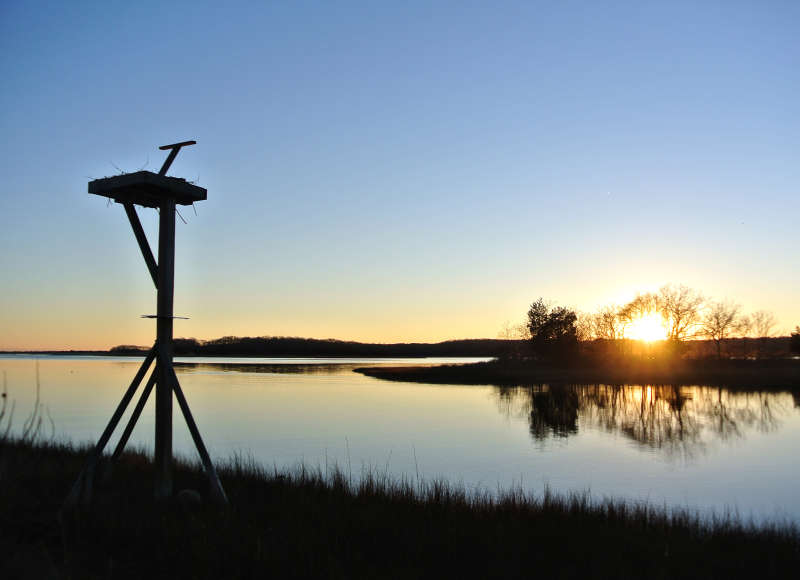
point(325, 523)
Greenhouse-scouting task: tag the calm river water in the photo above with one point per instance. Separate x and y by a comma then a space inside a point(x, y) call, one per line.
point(701, 447)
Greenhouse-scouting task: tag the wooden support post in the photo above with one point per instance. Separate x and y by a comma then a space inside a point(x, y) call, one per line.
point(166, 281)
point(81, 489)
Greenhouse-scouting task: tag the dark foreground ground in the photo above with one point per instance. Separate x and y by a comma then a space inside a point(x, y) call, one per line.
point(731, 373)
point(309, 525)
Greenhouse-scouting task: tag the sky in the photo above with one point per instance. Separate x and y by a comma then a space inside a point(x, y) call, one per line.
point(395, 171)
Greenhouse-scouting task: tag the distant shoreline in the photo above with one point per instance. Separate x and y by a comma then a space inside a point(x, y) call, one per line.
point(743, 374)
point(68, 352)
point(283, 346)
point(142, 354)
point(253, 347)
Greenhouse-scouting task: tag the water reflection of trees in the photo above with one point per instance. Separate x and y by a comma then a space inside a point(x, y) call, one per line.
point(675, 420)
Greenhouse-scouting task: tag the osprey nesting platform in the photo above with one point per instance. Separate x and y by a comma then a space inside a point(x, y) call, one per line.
point(147, 189)
point(154, 190)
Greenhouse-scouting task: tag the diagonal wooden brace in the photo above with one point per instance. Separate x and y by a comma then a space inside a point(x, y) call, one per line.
point(141, 238)
point(137, 411)
point(217, 492)
point(82, 489)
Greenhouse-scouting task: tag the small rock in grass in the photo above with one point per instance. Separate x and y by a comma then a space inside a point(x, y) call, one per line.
point(189, 499)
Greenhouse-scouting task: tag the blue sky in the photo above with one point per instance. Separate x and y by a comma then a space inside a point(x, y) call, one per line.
point(396, 171)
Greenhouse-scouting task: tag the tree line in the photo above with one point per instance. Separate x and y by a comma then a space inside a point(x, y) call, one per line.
point(690, 321)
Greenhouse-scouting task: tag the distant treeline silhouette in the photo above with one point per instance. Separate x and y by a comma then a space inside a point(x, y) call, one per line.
point(272, 346)
point(278, 346)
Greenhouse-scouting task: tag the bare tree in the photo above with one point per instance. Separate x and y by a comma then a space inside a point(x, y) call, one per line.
point(744, 327)
point(640, 306)
point(719, 322)
point(514, 331)
point(585, 326)
point(680, 307)
point(607, 324)
point(763, 323)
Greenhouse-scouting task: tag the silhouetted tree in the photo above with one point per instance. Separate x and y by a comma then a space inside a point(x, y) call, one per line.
point(554, 333)
point(763, 323)
point(743, 329)
point(719, 322)
point(794, 344)
point(639, 307)
point(686, 314)
point(680, 307)
point(606, 323)
point(584, 325)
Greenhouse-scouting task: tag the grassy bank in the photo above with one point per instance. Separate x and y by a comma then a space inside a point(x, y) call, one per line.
point(309, 525)
point(749, 374)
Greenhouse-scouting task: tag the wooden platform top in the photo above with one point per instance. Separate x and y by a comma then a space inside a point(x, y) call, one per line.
point(147, 188)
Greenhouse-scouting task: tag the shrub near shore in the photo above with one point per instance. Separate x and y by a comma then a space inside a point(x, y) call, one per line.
point(308, 524)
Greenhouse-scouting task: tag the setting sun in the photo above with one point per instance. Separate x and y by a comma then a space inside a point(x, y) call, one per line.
point(647, 328)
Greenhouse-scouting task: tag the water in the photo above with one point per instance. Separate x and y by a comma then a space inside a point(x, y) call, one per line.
point(698, 447)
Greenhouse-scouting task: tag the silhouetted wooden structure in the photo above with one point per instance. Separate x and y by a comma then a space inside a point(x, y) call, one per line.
point(163, 193)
